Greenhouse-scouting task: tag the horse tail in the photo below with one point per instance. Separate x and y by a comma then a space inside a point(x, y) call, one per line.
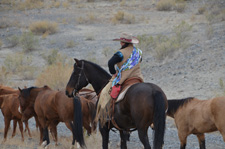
point(77, 126)
point(159, 119)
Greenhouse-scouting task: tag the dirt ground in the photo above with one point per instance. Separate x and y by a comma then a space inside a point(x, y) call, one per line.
point(192, 71)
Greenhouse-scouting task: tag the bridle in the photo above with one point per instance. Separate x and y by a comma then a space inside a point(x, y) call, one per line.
point(79, 76)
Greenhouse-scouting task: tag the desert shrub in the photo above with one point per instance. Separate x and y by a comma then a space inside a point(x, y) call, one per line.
point(165, 5)
point(41, 27)
point(1, 43)
point(3, 75)
point(70, 44)
point(28, 41)
point(4, 23)
point(65, 5)
point(209, 31)
point(201, 10)
point(222, 86)
point(20, 64)
point(163, 46)
point(90, 18)
point(146, 42)
point(90, 37)
point(13, 40)
point(29, 4)
point(123, 17)
point(215, 12)
point(180, 7)
point(55, 76)
point(54, 57)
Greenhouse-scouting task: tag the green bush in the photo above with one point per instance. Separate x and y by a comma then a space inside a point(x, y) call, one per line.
point(163, 46)
point(28, 41)
point(20, 65)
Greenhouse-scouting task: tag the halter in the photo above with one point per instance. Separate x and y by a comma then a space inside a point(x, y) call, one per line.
point(79, 75)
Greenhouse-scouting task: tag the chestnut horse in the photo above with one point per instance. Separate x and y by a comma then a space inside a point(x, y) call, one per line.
point(52, 107)
point(143, 104)
point(5, 90)
point(9, 105)
point(194, 116)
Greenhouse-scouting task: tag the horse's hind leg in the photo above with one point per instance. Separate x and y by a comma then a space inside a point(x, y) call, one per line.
point(124, 138)
point(14, 128)
point(21, 129)
point(7, 123)
point(53, 130)
point(201, 140)
point(143, 136)
point(105, 135)
point(27, 128)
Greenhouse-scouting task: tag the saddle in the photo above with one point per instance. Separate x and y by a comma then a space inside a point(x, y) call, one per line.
point(124, 87)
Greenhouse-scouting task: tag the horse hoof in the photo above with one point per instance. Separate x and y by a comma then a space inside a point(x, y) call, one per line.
point(44, 143)
point(3, 141)
point(78, 146)
point(72, 147)
point(46, 147)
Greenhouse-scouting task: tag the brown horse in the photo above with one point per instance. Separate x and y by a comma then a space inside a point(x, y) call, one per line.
point(5, 90)
point(143, 104)
point(9, 105)
point(194, 116)
point(52, 107)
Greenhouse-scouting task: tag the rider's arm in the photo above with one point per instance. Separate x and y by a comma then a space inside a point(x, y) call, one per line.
point(116, 58)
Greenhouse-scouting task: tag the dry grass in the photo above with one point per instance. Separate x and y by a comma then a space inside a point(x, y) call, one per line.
point(123, 17)
point(180, 7)
point(57, 72)
point(163, 46)
point(90, 18)
point(19, 64)
point(222, 86)
point(165, 5)
point(93, 141)
point(1, 43)
point(4, 75)
point(29, 4)
point(13, 40)
point(42, 27)
point(55, 76)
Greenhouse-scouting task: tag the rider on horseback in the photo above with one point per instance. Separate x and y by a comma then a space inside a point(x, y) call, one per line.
point(127, 61)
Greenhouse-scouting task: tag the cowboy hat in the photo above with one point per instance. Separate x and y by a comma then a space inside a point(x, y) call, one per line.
point(127, 38)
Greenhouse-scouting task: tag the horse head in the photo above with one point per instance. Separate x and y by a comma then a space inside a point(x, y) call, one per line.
point(78, 78)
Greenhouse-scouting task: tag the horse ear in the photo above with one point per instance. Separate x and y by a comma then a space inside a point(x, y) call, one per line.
point(76, 61)
point(19, 89)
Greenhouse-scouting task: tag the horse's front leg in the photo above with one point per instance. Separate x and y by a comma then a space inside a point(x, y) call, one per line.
point(201, 140)
point(183, 139)
point(105, 135)
point(124, 138)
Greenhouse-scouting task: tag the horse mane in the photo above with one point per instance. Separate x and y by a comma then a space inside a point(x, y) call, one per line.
point(26, 91)
point(175, 104)
point(102, 71)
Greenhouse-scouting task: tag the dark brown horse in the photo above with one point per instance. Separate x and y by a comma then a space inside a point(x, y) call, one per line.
point(194, 116)
point(143, 104)
point(52, 107)
point(9, 105)
point(5, 90)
